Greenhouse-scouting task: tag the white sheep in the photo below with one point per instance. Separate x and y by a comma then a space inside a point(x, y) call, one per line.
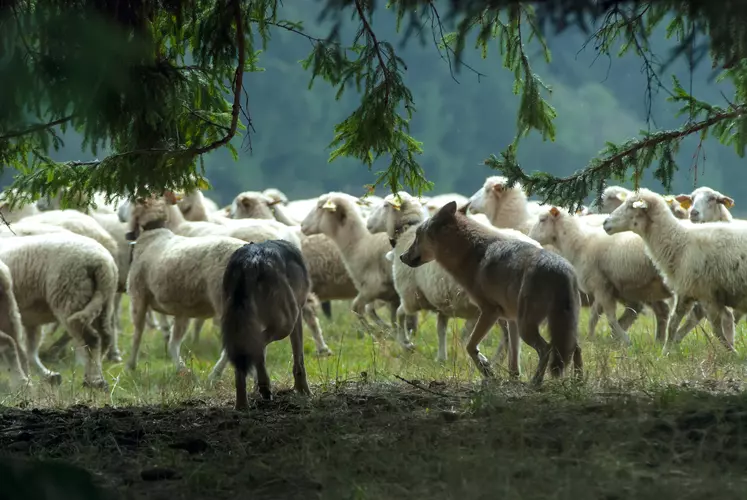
point(433, 203)
point(68, 278)
point(699, 262)
point(505, 207)
point(18, 212)
point(614, 196)
point(610, 268)
point(707, 205)
point(11, 331)
point(364, 254)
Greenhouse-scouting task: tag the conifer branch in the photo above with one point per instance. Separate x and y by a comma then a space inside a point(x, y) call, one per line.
point(35, 128)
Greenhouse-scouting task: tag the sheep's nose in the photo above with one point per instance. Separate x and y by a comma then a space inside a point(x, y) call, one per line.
point(694, 213)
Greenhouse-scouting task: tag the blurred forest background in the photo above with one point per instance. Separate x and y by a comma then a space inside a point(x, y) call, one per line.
point(460, 122)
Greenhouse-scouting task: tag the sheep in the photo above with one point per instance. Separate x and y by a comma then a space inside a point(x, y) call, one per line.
point(610, 268)
point(614, 196)
point(18, 212)
point(329, 278)
point(363, 253)
point(68, 278)
point(505, 207)
point(195, 206)
point(264, 286)
point(11, 332)
point(435, 202)
point(172, 274)
point(276, 195)
point(699, 262)
point(507, 278)
point(706, 205)
point(249, 230)
point(85, 225)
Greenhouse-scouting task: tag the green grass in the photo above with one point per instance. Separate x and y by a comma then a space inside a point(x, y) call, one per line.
point(642, 425)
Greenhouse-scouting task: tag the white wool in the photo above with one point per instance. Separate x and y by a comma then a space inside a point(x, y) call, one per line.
point(707, 205)
point(18, 212)
point(337, 215)
point(611, 268)
point(699, 262)
point(67, 278)
point(505, 208)
point(435, 202)
point(12, 344)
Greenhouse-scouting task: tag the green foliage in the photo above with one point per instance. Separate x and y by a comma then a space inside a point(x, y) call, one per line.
point(149, 81)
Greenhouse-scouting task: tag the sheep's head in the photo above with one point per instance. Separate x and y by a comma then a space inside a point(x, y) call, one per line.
point(636, 213)
point(545, 231)
point(151, 212)
point(706, 205)
point(253, 205)
point(676, 207)
point(492, 194)
point(276, 195)
point(612, 197)
point(330, 214)
point(430, 235)
point(192, 205)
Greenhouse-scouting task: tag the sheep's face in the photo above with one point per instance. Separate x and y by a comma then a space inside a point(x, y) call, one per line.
point(612, 197)
point(252, 205)
point(429, 235)
point(632, 215)
point(329, 215)
point(706, 205)
point(148, 211)
point(493, 193)
point(545, 231)
point(376, 222)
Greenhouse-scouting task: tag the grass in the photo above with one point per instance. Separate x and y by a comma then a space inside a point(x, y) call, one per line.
point(642, 425)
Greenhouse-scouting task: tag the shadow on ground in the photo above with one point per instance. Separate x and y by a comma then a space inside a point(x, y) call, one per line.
point(385, 441)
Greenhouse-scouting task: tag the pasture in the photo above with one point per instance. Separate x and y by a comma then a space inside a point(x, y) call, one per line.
point(383, 423)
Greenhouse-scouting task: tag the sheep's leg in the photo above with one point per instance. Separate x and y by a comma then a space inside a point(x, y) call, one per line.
point(661, 312)
point(682, 305)
point(10, 349)
point(312, 321)
point(327, 309)
point(694, 317)
point(138, 311)
point(401, 327)
point(360, 306)
point(220, 365)
point(300, 383)
point(113, 354)
point(442, 323)
point(608, 305)
point(33, 340)
point(55, 350)
point(411, 324)
point(629, 315)
point(92, 343)
point(181, 324)
point(595, 311)
point(482, 327)
point(392, 313)
point(722, 320)
point(371, 310)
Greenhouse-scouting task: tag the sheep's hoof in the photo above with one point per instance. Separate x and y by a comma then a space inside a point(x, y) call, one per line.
point(114, 356)
point(54, 378)
point(324, 351)
point(96, 384)
point(409, 346)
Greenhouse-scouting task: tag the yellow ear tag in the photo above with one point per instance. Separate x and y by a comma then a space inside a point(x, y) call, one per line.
point(639, 204)
point(203, 185)
point(728, 203)
point(330, 205)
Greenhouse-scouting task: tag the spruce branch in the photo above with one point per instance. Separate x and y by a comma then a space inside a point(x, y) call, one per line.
point(35, 128)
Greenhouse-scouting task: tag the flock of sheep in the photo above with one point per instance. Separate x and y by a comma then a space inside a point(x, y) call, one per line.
point(680, 256)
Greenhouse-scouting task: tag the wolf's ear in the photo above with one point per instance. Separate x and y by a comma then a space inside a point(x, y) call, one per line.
point(448, 210)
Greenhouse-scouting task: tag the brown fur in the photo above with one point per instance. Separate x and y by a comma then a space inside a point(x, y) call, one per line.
point(506, 278)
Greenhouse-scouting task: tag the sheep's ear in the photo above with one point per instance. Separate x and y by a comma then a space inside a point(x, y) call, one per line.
point(621, 196)
point(463, 209)
point(726, 201)
point(394, 202)
point(685, 200)
point(170, 197)
point(329, 206)
point(640, 204)
point(554, 211)
point(245, 201)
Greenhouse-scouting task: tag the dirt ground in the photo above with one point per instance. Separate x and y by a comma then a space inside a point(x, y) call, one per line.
point(377, 441)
